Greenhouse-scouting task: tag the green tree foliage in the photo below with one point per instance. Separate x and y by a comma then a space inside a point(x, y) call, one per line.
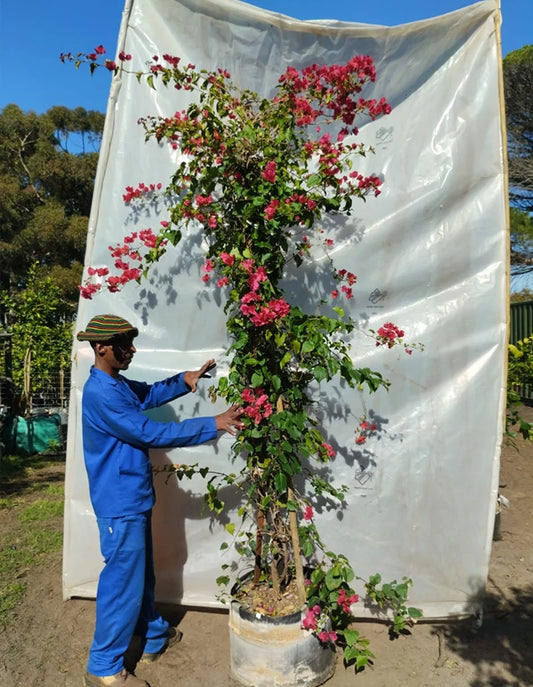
point(45, 195)
point(521, 242)
point(519, 374)
point(518, 84)
point(41, 335)
point(523, 295)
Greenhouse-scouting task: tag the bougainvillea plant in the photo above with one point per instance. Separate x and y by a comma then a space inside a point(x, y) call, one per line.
point(256, 176)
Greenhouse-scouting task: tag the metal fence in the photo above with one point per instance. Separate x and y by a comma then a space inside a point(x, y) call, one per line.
point(521, 321)
point(521, 327)
point(50, 395)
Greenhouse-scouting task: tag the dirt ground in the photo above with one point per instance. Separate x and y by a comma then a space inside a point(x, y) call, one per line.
point(47, 646)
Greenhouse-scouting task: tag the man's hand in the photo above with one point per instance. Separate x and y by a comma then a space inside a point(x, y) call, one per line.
point(229, 420)
point(191, 378)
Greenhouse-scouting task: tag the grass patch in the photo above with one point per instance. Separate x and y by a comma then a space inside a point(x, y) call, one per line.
point(41, 510)
point(32, 529)
point(10, 596)
point(11, 466)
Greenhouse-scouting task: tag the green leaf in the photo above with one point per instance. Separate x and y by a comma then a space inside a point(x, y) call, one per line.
point(350, 653)
point(351, 636)
point(361, 661)
point(230, 527)
point(280, 481)
point(257, 379)
point(320, 373)
point(333, 579)
point(286, 358)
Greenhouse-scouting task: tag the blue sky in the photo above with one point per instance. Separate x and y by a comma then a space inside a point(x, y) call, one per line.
point(35, 32)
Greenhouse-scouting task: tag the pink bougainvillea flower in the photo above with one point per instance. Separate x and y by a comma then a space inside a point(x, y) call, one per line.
point(248, 265)
point(329, 449)
point(258, 406)
point(345, 601)
point(388, 334)
point(308, 513)
point(88, 290)
point(256, 278)
point(97, 271)
point(309, 621)
point(203, 200)
point(269, 173)
point(227, 258)
point(347, 291)
point(272, 208)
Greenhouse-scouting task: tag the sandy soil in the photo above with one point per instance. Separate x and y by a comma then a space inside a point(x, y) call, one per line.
point(47, 645)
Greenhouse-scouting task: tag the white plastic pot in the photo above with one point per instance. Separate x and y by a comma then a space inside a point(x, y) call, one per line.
point(276, 652)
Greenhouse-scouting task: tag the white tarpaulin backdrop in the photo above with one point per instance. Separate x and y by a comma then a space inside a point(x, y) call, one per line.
point(430, 255)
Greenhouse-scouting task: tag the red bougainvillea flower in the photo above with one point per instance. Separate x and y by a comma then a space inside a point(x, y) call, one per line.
point(329, 449)
point(388, 334)
point(345, 601)
point(309, 621)
point(227, 258)
point(269, 173)
point(258, 406)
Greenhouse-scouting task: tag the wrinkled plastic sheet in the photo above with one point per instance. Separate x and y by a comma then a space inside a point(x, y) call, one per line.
point(430, 254)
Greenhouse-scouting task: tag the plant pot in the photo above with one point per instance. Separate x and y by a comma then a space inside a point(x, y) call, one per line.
point(275, 651)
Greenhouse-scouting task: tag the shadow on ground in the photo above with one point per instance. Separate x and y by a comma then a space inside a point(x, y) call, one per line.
point(21, 474)
point(501, 649)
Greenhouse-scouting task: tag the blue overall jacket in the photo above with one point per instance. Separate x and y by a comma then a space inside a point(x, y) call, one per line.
point(117, 436)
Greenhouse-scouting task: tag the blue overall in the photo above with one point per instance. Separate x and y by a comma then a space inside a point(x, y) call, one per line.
point(116, 438)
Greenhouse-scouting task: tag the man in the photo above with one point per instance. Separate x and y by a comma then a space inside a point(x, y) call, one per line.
point(116, 438)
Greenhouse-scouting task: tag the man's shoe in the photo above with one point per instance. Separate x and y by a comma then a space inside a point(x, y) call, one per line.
point(122, 679)
point(174, 636)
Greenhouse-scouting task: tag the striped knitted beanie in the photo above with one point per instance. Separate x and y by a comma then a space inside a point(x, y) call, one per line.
point(105, 327)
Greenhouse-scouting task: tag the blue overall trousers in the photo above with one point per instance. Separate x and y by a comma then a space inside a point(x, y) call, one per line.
point(117, 436)
point(125, 601)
